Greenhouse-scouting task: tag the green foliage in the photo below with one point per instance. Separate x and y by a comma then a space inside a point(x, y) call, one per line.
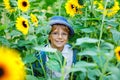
point(96, 36)
point(30, 77)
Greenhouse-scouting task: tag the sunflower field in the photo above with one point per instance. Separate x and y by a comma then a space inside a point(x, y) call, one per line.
point(24, 28)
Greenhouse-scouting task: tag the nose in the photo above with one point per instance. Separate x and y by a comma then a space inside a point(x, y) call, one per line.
point(59, 36)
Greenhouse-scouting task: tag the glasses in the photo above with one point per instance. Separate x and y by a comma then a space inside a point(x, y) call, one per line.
point(56, 34)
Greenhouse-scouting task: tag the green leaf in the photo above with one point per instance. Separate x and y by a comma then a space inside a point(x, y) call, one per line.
point(24, 43)
point(90, 52)
point(2, 27)
point(115, 73)
point(31, 77)
point(75, 69)
point(55, 56)
point(82, 76)
point(49, 2)
point(100, 59)
point(86, 40)
point(106, 45)
point(15, 33)
point(29, 58)
point(88, 30)
point(13, 3)
point(93, 74)
point(112, 23)
point(109, 77)
point(85, 64)
point(42, 39)
point(4, 41)
point(53, 65)
point(31, 37)
point(116, 35)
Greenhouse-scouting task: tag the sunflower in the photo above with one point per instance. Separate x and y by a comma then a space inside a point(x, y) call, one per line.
point(34, 19)
point(72, 7)
point(22, 25)
point(8, 6)
point(11, 65)
point(117, 53)
point(23, 5)
point(111, 9)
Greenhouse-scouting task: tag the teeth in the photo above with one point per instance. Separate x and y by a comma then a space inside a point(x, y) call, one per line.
point(59, 41)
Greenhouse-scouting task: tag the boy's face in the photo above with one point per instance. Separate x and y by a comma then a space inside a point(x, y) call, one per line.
point(59, 36)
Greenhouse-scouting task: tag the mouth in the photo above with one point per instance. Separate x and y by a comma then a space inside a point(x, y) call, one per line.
point(59, 42)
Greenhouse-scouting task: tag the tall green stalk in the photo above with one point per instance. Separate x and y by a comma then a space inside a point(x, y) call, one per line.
point(85, 24)
point(31, 69)
point(101, 32)
point(102, 25)
point(63, 70)
point(42, 66)
point(91, 2)
point(60, 1)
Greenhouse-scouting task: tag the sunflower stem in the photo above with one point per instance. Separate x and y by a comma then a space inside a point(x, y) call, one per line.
point(62, 70)
point(91, 2)
point(71, 77)
point(85, 24)
point(42, 66)
point(36, 43)
point(58, 58)
point(60, 1)
point(101, 28)
point(101, 32)
point(31, 69)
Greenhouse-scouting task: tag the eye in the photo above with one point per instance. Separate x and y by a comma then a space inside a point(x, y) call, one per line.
point(54, 33)
point(64, 34)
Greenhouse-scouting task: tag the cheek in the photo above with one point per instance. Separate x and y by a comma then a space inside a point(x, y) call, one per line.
point(50, 38)
point(66, 40)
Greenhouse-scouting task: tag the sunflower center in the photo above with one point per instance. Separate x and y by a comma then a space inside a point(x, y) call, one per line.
point(119, 53)
point(24, 3)
point(24, 24)
point(72, 6)
point(76, 9)
point(110, 4)
point(1, 72)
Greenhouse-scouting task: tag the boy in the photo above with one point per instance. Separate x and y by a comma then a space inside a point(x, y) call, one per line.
point(60, 32)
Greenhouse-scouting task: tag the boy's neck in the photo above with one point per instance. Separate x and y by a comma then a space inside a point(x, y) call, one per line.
point(58, 48)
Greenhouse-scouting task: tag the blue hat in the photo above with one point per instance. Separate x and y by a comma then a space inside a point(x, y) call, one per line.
point(61, 20)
